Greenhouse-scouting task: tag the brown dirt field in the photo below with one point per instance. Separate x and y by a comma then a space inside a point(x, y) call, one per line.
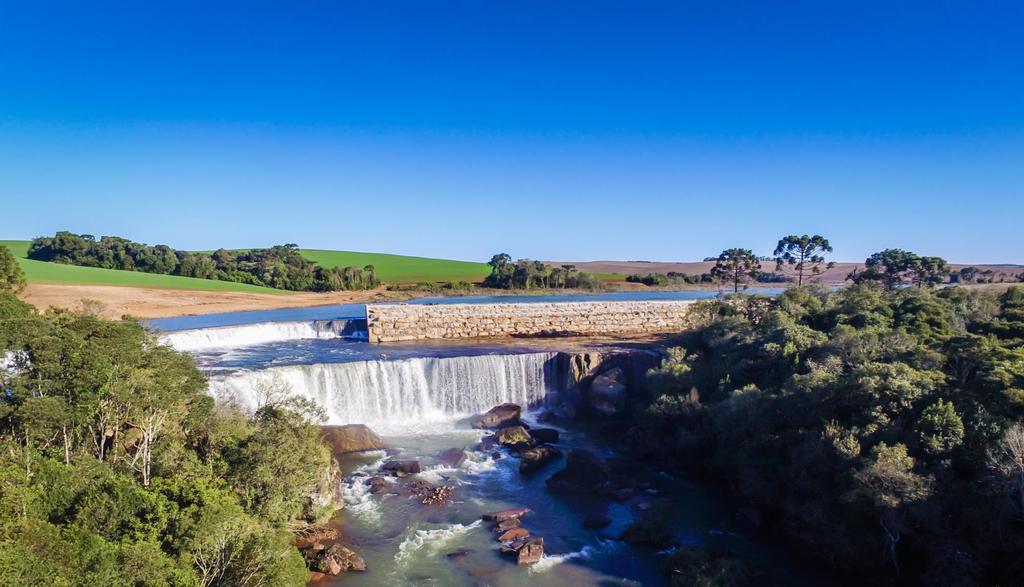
point(836, 275)
point(161, 303)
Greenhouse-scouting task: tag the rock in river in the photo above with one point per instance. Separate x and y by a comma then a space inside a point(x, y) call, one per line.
point(608, 392)
point(583, 473)
point(544, 435)
point(513, 436)
point(535, 458)
point(401, 468)
point(498, 417)
point(452, 457)
point(503, 515)
point(337, 559)
point(351, 438)
point(531, 552)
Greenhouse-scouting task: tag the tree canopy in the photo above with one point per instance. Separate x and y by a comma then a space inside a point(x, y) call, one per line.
point(803, 255)
point(736, 266)
point(11, 276)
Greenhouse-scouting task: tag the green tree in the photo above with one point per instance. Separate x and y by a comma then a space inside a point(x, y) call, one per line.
point(736, 266)
point(11, 276)
point(940, 428)
point(889, 267)
point(802, 254)
point(929, 271)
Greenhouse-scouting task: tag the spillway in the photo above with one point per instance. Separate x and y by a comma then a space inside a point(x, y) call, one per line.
point(404, 392)
point(201, 339)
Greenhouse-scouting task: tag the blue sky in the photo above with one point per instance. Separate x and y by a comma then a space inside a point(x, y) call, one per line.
point(555, 130)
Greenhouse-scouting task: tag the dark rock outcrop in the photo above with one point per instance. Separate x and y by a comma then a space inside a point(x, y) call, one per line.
point(544, 435)
point(500, 416)
point(647, 532)
point(607, 394)
point(452, 457)
point(595, 521)
point(401, 468)
point(377, 484)
point(583, 473)
point(533, 459)
point(351, 438)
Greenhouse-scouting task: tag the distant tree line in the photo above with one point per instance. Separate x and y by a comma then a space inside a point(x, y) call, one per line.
point(530, 274)
point(280, 267)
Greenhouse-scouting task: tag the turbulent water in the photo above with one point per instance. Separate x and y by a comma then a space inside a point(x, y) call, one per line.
point(201, 339)
point(401, 393)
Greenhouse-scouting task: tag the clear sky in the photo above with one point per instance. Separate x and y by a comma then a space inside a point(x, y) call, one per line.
point(554, 130)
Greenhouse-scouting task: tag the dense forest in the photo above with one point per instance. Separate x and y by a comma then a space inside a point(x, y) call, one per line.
point(881, 430)
point(280, 267)
point(117, 468)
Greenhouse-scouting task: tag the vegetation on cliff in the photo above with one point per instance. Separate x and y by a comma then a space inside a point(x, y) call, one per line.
point(116, 467)
point(279, 267)
point(881, 429)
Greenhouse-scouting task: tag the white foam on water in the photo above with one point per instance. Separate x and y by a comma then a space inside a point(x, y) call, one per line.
point(201, 339)
point(430, 540)
point(602, 549)
point(356, 493)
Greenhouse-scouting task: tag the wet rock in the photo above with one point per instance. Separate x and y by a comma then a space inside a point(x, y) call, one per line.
point(496, 455)
point(377, 484)
point(351, 438)
point(607, 392)
point(531, 552)
point(514, 533)
point(513, 436)
point(545, 416)
point(452, 457)
point(583, 473)
point(595, 521)
point(500, 416)
point(566, 411)
point(647, 532)
point(401, 468)
point(513, 546)
point(501, 516)
point(544, 435)
point(438, 495)
point(534, 459)
point(506, 525)
point(337, 559)
point(458, 554)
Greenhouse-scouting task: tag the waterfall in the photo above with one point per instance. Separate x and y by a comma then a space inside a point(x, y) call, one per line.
point(393, 394)
point(200, 339)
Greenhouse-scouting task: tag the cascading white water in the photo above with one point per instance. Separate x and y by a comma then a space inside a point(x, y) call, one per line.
point(395, 394)
point(201, 339)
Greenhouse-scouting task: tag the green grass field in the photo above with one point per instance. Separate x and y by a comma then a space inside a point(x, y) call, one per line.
point(394, 269)
point(43, 272)
point(402, 269)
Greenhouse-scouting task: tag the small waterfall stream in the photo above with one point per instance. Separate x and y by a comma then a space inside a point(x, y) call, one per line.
point(201, 339)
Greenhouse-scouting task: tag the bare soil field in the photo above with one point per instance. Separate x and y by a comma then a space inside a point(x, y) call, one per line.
point(142, 302)
point(836, 275)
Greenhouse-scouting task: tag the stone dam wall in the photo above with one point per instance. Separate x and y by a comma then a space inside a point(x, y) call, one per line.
point(396, 322)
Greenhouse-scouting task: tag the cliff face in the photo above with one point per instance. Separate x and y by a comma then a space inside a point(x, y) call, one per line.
point(600, 381)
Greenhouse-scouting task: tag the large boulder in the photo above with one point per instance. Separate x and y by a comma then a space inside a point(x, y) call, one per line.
point(533, 459)
point(337, 559)
point(401, 468)
point(531, 552)
point(498, 417)
point(607, 394)
point(451, 457)
point(513, 436)
point(584, 472)
point(351, 438)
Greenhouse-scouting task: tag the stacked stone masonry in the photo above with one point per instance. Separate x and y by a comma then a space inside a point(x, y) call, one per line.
point(389, 323)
